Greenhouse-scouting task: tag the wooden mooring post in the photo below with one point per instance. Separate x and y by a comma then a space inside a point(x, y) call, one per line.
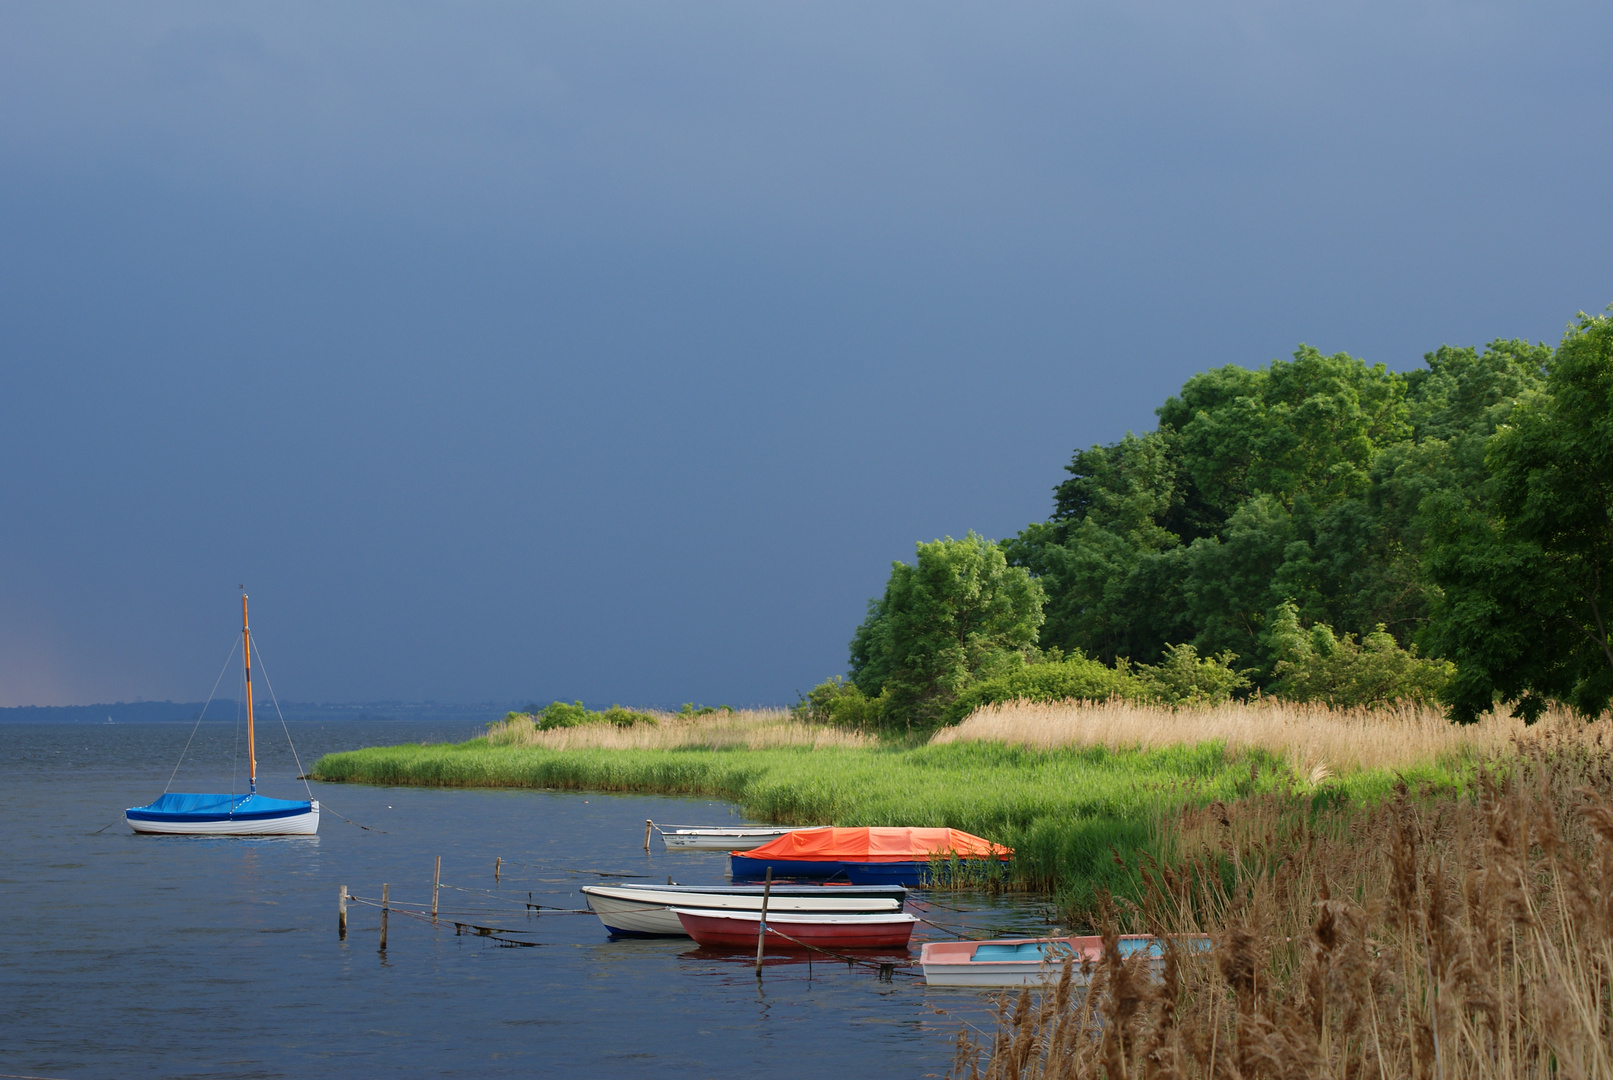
point(761, 927)
point(436, 878)
point(385, 890)
point(341, 913)
point(648, 825)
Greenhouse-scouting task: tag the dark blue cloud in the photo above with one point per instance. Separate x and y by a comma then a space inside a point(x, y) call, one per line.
point(613, 351)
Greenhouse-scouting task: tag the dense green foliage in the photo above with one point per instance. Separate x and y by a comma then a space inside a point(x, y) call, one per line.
point(1299, 482)
point(1525, 557)
point(1318, 528)
point(560, 715)
point(1337, 670)
point(959, 614)
point(1184, 677)
point(1065, 812)
point(1075, 677)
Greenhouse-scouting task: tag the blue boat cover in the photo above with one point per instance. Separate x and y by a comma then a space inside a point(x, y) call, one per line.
point(181, 806)
point(1025, 950)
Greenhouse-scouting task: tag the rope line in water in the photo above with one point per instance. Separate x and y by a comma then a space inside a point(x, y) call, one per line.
point(326, 806)
point(569, 870)
point(880, 965)
point(526, 904)
point(493, 932)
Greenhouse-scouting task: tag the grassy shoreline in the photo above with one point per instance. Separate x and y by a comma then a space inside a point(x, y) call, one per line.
point(1066, 810)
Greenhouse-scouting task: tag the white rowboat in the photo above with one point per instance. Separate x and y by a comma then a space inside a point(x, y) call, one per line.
point(719, 838)
point(647, 910)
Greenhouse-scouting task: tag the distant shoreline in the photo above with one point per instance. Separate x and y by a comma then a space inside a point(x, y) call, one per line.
point(224, 709)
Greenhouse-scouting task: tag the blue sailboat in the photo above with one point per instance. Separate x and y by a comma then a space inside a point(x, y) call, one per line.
point(251, 814)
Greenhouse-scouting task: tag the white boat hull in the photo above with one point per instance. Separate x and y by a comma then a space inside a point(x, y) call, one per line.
point(649, 912)
point(306, 824)
point(723, 839)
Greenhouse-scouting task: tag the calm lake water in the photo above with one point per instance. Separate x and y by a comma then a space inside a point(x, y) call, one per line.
point(214, 957)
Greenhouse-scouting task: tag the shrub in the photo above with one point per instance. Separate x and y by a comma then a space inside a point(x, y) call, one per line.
point(1319, 665)
point(1058, 680)
point(561, 715)
point(1186, 678)
point(691, 709)
point(841, 703)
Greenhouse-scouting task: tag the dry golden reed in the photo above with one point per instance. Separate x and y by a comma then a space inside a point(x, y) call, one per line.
point(1315, 740)
point(742, 729)
point(1448, 939)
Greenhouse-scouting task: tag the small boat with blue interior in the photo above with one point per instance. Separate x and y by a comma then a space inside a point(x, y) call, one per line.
point(249, 814)
point(1037, 961)
point(647, 910)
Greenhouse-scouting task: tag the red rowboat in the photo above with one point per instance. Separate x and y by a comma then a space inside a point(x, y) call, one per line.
point(792, 930)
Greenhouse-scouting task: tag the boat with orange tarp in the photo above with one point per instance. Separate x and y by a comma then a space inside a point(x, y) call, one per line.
point(863, 856)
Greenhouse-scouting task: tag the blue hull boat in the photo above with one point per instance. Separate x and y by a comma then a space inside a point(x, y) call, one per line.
point(913, 875)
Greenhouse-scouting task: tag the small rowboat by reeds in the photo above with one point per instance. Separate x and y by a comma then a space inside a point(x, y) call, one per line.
point(647, 910)
point(718, 837)
point(1036, 961)
point(792, 930)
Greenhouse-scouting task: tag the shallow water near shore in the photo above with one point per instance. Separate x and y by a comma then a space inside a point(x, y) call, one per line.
point(209, 957)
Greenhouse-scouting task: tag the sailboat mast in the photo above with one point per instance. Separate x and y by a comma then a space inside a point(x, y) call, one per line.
point(251, 744)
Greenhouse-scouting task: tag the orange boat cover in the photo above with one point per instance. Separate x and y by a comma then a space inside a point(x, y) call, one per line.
point(876, 845)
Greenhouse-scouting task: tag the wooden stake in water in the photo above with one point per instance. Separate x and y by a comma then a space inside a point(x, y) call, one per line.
point(648, 825)
point(385, 890)
point(761, 927)
point(496, 864)
point(341, 913)
point(436, 877)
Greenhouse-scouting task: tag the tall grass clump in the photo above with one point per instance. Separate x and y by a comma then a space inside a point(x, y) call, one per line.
point(1451, 938)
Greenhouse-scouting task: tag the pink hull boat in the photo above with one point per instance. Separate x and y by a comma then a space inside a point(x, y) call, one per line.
point(788, 930)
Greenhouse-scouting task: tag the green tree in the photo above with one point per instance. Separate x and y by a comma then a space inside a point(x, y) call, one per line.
point(1303, 481)
point(959, 613)
point(1526, 561)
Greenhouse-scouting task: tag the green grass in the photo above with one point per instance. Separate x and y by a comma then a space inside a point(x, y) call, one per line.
point(1066, 813)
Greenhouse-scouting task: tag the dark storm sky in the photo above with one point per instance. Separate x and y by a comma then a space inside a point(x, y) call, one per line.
point(613, 351)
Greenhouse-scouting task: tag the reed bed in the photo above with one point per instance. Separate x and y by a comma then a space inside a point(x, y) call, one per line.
point(1315, 741)
point(741, 729)
point(1448, 938)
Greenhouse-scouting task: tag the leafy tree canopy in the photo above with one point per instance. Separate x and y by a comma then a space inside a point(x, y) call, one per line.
point(1299, 482)
point(959, 613)
point(1525, 558)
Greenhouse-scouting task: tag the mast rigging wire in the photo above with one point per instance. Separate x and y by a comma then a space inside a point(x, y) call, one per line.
point(199, 716)
point(294, 755)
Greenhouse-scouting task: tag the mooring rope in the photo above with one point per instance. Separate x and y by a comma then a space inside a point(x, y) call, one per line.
point(459, 927)
point(326, 806)
point(527, 903)
point(881, 965)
